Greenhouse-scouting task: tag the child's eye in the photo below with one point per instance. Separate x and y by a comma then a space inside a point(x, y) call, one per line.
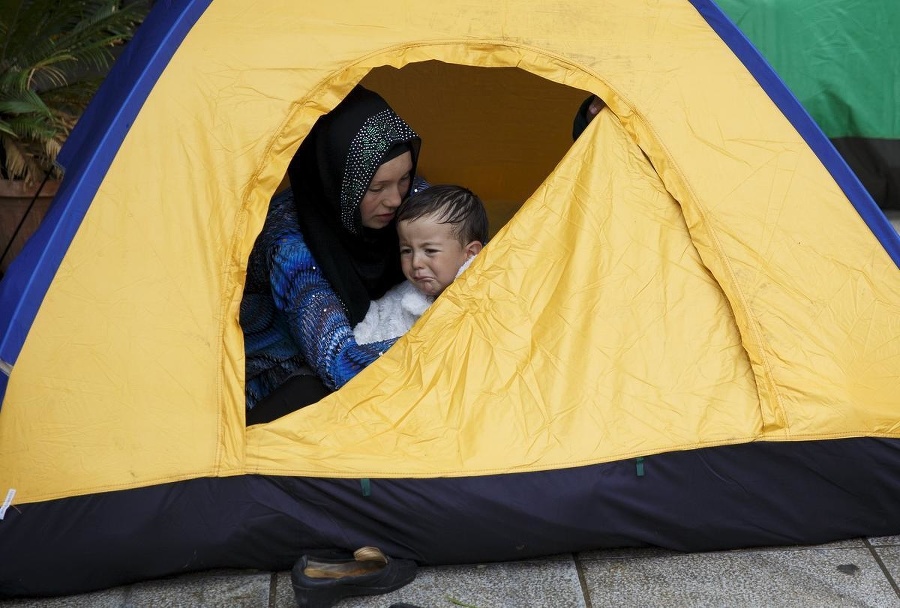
point(431, 251)
point(405, 251)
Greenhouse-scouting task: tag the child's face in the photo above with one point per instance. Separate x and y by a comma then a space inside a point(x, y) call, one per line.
point(430, 254)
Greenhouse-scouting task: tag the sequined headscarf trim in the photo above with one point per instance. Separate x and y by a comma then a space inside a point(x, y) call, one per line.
point(329, 176)
point(368, 151)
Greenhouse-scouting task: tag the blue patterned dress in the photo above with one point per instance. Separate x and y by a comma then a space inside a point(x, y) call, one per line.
point(291, 317)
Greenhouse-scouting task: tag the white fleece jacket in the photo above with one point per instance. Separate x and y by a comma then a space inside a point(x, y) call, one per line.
point(394, 313)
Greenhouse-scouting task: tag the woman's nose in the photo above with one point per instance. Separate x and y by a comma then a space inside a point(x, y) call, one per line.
point(393, 198)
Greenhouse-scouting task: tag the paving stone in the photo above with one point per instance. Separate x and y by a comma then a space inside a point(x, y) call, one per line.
point(284, 594)
point(642, 552)
point(625, 553)
point(833, 577)
point(885, 540)
point(858, 543)
point(110, 598)
point(549, 582)
point(229, 588)
point(890, 557)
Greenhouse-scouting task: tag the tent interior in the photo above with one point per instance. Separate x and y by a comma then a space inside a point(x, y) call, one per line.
point(497, 131)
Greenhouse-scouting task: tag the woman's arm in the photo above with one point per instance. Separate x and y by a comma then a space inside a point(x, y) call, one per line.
point(316, 318)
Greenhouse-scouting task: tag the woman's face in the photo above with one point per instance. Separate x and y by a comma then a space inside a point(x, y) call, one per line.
point(389, 185)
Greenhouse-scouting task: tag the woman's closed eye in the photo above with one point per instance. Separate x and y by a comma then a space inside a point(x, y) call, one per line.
point(375, 188)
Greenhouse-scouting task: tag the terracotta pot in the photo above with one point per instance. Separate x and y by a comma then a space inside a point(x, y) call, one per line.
point(15, 197)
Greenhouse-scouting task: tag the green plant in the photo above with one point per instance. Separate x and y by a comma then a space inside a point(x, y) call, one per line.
point(53, 56)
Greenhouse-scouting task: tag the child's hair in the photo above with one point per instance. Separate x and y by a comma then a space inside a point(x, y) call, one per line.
point(450, 205)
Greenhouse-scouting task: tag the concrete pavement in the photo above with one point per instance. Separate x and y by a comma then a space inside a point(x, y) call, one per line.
point(857, 572)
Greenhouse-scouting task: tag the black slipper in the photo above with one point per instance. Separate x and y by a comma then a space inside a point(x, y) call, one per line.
point(320, 582)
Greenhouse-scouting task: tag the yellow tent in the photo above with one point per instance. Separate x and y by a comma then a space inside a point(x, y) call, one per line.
point(694, 299)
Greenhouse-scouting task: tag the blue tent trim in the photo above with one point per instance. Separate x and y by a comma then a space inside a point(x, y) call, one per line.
point(86, 156)
point(790, 106)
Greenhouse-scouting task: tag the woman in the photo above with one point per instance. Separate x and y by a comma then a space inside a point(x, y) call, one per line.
point(328, 247)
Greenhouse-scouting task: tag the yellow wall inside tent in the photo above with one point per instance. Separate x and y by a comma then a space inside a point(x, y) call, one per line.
point(498, 131)
point(689, 275)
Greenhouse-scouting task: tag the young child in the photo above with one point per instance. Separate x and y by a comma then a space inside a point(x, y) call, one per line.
point(441, 229)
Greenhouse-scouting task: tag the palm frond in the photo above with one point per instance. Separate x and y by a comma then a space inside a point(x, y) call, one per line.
point(53, 55)
point(23, 102)
point(22, 163)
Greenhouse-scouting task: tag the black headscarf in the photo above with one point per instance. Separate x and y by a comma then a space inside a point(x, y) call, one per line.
point(329, 176)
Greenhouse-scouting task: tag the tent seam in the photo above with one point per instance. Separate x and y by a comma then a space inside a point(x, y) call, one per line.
point(753, 322)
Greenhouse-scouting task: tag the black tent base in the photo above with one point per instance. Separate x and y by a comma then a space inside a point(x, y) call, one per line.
point(759, 494)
